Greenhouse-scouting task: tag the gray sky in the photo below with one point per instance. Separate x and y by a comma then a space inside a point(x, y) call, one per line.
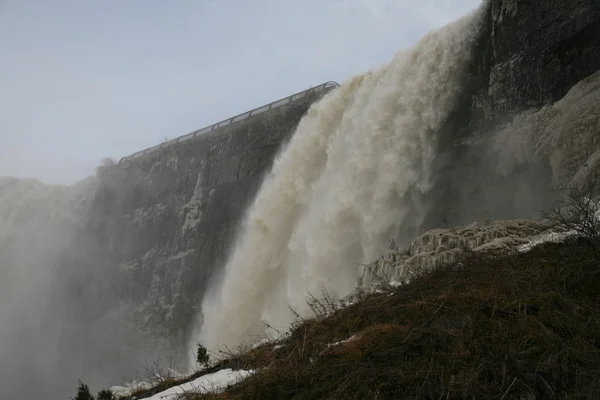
point(81, 80)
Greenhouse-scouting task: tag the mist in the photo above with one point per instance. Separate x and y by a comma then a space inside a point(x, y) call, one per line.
point(62, 317)
point(38, 222)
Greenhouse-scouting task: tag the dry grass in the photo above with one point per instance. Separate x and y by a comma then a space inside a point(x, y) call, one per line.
point(526, 326)
point(518, 327)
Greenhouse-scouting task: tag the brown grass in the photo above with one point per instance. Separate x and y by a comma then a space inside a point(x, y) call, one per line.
point(525, 326)
point(518, 327)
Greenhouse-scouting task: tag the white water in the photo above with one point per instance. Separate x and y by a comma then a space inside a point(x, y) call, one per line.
point(351, 175)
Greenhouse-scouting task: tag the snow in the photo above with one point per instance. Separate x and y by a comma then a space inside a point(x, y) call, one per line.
point(176, 374)
point(553, 237)
point(129, 388)
point(209, 383)
point(343, 341)
point(397, 284)
point(260, 343)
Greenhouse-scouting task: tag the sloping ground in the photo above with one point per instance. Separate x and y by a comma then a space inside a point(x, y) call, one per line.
point(521, 326)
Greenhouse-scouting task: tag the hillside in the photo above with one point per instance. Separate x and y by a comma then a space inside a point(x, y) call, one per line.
point(488, 326)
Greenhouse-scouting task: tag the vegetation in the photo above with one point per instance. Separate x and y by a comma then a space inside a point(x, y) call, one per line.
point(106, 395)
point(83, 392)
point(578, 211)
point(524, 326)
point(202, 355)
point(492, 326)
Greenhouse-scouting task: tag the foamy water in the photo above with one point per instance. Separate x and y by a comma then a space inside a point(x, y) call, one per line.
point(351, 175)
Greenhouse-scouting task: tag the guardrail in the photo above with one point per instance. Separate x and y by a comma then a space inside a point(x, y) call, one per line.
point(297, 96)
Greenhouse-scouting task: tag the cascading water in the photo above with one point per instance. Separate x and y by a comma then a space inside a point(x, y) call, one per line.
point(351, 175)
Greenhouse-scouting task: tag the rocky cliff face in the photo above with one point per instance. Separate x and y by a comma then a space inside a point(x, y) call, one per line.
point(534, 53)
point(530, 54)
point(528, 123)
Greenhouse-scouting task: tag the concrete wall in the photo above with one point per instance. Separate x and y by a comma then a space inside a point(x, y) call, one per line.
point(160, 224)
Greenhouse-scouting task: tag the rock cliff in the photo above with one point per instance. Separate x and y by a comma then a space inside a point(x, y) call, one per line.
point(529, 56)
point(533, 53)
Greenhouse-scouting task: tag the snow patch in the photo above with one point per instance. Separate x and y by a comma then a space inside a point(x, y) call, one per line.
point(351, 338)
point(210, 383)
point(551, 237)
point(130, 388)
point(260, 343)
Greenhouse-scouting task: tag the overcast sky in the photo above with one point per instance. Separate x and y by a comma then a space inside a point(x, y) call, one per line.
point(81, 80)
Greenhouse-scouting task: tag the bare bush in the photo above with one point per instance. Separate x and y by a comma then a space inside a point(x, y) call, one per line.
point(157, 372)
point(578, 211)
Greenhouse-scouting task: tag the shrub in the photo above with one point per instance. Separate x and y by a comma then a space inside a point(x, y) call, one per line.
point(83, 392)
point(106, 395)
point(578, 211)
point(202, 355)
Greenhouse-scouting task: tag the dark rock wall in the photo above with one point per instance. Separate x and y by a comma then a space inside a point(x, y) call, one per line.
point(529, 55)
point(535, 52)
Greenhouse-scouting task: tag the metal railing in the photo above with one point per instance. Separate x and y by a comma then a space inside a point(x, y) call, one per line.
point(290, 99)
